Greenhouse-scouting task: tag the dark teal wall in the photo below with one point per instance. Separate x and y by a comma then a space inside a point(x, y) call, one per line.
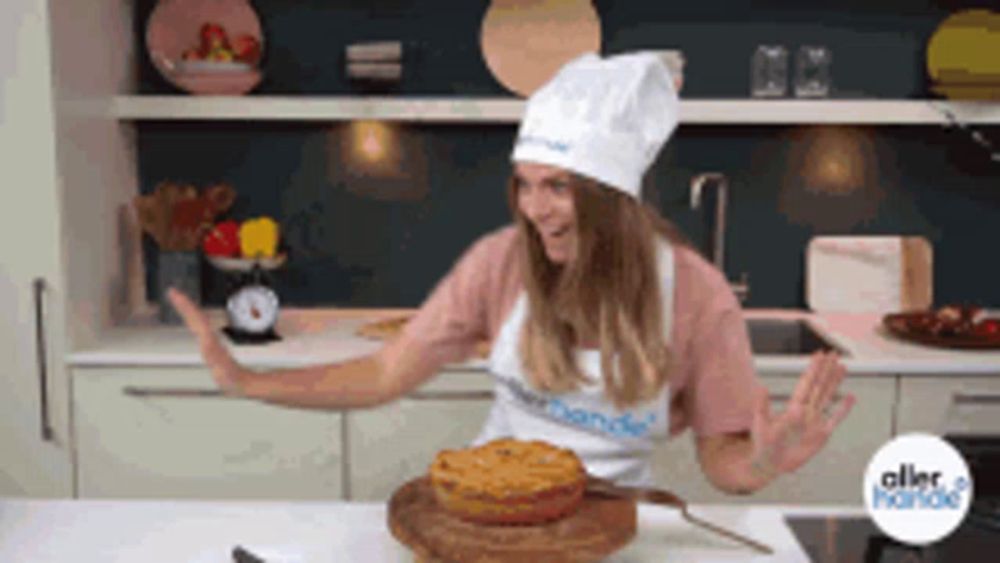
point(375, 239)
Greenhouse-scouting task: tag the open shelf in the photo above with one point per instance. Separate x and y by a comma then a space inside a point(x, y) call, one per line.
point(509, 110)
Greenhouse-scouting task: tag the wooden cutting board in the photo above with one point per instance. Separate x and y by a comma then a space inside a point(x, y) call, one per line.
point(600, 527)
point(869, 274)
point(388, 329)
point(524, 42)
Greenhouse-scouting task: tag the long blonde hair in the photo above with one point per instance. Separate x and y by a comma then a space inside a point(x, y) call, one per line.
point(610, 292)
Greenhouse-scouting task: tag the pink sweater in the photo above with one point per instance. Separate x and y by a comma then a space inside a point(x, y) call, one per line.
point(713, 378)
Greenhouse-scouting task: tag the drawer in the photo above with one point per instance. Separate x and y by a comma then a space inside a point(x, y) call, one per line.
point(137, 436)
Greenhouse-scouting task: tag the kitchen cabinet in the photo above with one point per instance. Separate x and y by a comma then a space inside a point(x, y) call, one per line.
point(833, 476)
point(946, 404)
point(34, 438)
point(167, 433)
point(394, 443)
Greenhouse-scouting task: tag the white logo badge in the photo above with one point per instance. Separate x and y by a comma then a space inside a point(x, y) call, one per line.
point(917, 488)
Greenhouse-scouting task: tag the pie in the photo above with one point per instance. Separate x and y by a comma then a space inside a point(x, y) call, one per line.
point(508, 481)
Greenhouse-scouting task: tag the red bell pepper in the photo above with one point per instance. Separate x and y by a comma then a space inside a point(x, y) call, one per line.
point(222, 240)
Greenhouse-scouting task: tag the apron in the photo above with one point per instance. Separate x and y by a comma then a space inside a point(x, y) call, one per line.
point(612, 444)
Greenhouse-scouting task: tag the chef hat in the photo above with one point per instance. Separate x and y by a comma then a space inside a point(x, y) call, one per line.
point(604, 118)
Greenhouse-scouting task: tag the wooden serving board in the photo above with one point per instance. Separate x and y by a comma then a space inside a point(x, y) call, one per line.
point(524, 42)
point(601, 526)
point(875, 273)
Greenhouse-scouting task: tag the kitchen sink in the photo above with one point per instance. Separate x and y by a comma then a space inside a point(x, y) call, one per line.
point(786, 337)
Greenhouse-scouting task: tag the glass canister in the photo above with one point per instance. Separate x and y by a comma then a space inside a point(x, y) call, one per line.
point(812, 71)
point(769, 72)
point(182, 270)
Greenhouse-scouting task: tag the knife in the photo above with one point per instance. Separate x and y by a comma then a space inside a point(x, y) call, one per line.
point(241, 555)
point(659, 496)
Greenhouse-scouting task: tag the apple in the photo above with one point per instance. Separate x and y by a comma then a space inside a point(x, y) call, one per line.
point(246, 49)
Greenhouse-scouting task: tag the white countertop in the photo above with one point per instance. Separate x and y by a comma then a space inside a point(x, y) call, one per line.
point(317, 336)
point(204, 531)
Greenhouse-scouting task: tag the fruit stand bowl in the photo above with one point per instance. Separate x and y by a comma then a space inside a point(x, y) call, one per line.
point(230, 264)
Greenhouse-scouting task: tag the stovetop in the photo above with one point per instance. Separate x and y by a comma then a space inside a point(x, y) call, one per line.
point(858, 539)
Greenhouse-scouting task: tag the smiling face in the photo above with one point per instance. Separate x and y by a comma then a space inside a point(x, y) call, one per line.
point(545, 199)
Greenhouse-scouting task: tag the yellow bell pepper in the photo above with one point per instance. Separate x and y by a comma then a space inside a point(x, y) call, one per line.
point(259, 238)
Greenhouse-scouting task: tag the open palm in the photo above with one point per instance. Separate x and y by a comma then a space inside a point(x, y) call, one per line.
point(220, 362)
point(787, 440)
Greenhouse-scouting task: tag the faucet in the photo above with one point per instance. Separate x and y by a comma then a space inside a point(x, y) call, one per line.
point(717, 240)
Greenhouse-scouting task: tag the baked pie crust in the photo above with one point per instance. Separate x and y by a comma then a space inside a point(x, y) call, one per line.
point(509, 481)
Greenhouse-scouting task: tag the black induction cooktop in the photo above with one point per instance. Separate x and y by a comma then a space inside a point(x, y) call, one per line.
point(858, 539)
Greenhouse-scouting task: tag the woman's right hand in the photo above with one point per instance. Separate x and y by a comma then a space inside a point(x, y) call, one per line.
point(227, 373)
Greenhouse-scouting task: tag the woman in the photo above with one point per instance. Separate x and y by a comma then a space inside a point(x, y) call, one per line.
point(608, 332)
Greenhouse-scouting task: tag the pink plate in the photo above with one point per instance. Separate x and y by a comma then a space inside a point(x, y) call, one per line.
point(174, 27)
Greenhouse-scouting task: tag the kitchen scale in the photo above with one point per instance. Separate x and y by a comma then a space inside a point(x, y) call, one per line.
point(252, 305)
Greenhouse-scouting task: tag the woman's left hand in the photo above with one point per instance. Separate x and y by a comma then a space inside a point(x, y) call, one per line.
point(785, 441)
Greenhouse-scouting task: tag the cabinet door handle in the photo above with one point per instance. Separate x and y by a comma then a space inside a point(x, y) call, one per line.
point(446, 395)
point(174, 392)
point(977, 399)
point(41, 356)
point(785, 397)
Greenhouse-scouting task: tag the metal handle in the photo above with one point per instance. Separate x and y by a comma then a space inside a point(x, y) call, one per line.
point(785, 397)
point(741, 288)
point(41, 356)
point(719, 227)
point(174, 392)
point(966, 399)
point(453, 395)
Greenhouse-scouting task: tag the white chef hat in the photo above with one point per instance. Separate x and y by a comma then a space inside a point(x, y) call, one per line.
point(604, 118)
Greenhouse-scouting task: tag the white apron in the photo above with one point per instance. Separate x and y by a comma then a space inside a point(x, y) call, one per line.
point(612, 444)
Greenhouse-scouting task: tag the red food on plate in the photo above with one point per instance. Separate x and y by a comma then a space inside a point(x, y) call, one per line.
point(987, 328)
point(950, 326)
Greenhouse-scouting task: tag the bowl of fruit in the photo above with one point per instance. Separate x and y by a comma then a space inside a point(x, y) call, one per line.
point(949, 326)
point(211, 48)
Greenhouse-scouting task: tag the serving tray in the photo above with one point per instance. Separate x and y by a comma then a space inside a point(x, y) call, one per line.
point(905, 327)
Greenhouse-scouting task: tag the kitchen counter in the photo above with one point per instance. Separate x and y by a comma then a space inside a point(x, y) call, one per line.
point(205, 531)
point(315, 336)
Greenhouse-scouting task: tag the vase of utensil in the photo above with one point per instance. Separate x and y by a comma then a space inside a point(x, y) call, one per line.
point(180, 269)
